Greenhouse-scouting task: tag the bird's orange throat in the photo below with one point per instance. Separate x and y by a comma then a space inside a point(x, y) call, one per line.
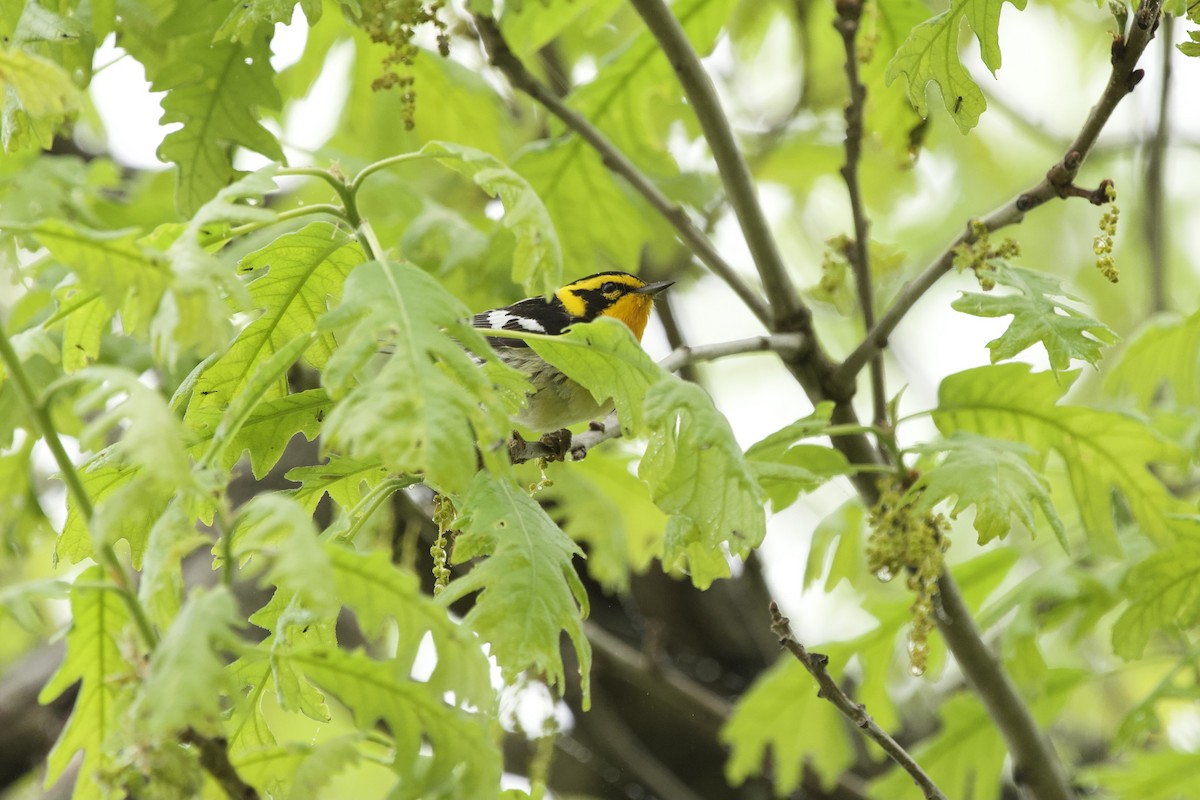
point(633, 310)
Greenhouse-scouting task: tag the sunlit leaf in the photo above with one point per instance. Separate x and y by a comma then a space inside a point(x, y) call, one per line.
point(1165, 352)
point(39, 98)
point(187, 669)
point(1101, 450)
point(697, 473)
point(427, 405)
point(529, 592)
point(992, 475)
point(930, 55)
point(217, 91)
point(465, 762)
point(1038, 317)
point(537, 260)
point(1163, 592)
point(95, 660)
point(304, 273)
point(763, 725)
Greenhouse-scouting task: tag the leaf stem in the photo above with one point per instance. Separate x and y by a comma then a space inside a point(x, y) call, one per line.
point(817, 664)
point(1058, 182)
point(371, 501)
point(503, 59)
point(44, 427)
point(283, 216)
point(788, 312)
point(391, 161)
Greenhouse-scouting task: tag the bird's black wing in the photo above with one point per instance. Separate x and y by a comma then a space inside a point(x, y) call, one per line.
point(533, 315)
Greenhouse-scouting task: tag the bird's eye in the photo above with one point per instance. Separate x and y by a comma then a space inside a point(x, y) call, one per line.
point(608, 288)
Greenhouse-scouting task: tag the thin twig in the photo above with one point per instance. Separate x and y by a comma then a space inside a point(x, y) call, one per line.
point(788, 345)
point(1156, 155)
point(789, 313)
point(1058, 182)
point(503, 59)
point(816, 665)
point(849, 12)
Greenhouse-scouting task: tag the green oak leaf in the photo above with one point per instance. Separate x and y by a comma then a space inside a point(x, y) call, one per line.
point(697, 473)
point(764, 721)
point(298, 276)
point(187, 675)
point(216, 91)
point(930, 54)
point(992, 475)
point(427, 406)
point(537, 262)
point(39, 97)
point(1038, 316)
point(1101, 450)
point(105, 676)
point(529, 592)
point(1163, 592)
point(1164, 352)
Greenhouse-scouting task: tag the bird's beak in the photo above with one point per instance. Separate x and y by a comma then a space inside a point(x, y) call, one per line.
point(654, 288)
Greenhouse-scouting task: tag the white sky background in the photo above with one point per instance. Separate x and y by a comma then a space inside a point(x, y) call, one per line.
point(1034, 80)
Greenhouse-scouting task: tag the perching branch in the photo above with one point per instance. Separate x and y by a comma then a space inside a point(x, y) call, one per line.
point(847, 24)
point(787, 309)
point(816, 664)
point(521, 450)
point(503, 59)
point(1058, 182)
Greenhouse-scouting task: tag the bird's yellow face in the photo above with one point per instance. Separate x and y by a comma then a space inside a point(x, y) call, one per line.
point(619, 295)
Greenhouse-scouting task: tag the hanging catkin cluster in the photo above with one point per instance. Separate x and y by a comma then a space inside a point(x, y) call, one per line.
point(906, 541)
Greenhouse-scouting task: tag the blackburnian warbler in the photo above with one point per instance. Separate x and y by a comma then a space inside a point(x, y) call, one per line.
point(557, 401)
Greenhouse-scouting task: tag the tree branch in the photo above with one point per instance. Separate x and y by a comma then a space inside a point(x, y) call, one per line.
point(1035, 763)
point(214, 758)
point(660, 680)
point(788, 345)
point(1156, 154)
point(816, 664)
point(503, 59)
point(731, 164)
point(849, 13)
point(1058, 182)
point(811, 367)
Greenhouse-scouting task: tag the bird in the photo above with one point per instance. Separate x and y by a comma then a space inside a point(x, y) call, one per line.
point(556, 401)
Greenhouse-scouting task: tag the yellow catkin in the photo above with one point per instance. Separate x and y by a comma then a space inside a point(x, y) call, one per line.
point(905, 541)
